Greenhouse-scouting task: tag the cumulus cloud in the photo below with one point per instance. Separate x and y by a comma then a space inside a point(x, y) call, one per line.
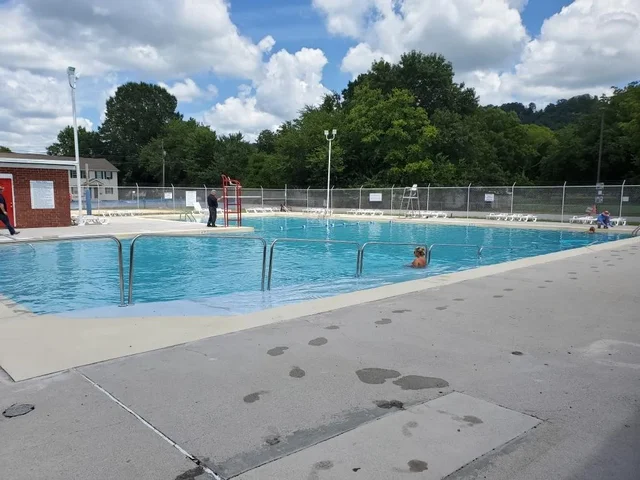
point(188, 91)
point(473, 34)
point(586, 48)
point(286, 83)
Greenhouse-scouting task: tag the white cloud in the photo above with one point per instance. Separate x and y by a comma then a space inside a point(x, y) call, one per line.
point(286, 83)
point(188, 91)
point(33, 109)
point(473, 34)
point(586, 48)
point(161, 37)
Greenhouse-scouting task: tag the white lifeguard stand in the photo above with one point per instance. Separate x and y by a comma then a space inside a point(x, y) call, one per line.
point(410, 200)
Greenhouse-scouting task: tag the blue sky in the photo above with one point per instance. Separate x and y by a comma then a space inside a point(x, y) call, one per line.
point(205, 51)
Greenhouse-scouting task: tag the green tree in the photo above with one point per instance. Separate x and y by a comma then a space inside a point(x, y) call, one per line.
point(135, 115)
point(89, 144)
point(4, 149)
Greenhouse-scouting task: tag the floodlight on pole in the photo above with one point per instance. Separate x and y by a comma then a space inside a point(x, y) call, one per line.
point(71, 74)
point(329, 139)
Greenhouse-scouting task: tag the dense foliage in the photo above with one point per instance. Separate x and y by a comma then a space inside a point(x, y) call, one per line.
point(397, 124)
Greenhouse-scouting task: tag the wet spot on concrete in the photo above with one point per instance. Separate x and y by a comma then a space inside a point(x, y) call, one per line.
point(254, 397)
point(388, 404)
point(297, 372)
point(541, 286)
point(272, 440)
point(323, 465)
point(416, 466)
point(18, 409)
point(517, 353)
point(573, 273)
point(318, 342)
point(594, 266)
point(384, 321)
point(548, 281)
point(376, 376)
point(573, 278)
point(470, 419)
point(442, 308)
point(458, 299)
point(406, 428)
point(332, 327)
point(508, 290)
point(401, 311)
point(611, 265)
point(418, 382)
point(498, 296)
point(274, 352)
point(355, 469)
point(191, 474)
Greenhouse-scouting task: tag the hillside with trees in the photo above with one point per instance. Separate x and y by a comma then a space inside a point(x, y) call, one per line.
point(400, 124)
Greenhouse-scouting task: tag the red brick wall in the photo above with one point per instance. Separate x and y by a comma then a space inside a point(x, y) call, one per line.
point(26, 217)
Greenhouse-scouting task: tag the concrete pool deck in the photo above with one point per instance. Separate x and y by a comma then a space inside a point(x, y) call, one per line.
point(523, 372)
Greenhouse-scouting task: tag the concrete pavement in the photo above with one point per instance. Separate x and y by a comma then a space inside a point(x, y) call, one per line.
point(557, 342)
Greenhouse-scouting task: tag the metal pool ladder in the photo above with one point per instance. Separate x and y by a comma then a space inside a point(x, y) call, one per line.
point(192, 235)
point(636, 232)
point(407, 244)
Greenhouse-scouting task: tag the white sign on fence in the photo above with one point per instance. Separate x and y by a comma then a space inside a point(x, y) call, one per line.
point(168, 195)
point(489, 197)
point(375, 197)
point(42, 196)
point(190, 198)
point(625, 199)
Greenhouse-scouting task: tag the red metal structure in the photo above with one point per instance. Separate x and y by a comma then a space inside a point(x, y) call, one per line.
point(232, 201)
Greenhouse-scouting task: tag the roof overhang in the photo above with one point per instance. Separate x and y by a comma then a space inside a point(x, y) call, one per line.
point(36, 162)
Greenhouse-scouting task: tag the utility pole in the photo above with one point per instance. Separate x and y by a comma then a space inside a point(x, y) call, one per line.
point(164, 154)
point(600, 150)
point(71, 74)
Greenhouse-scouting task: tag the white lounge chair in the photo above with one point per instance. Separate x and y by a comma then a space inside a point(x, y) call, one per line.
point(618, 221)
point(197, 208)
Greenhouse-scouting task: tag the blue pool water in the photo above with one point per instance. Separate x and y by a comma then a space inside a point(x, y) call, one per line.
point(224, 274)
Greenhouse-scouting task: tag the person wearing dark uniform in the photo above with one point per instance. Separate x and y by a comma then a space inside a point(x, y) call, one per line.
point(212, 203)
point(4, 213)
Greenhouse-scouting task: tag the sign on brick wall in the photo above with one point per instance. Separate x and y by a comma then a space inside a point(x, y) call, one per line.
point(42, 195)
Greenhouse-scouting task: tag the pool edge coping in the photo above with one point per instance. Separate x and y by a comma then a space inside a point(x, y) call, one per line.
point(75, 342)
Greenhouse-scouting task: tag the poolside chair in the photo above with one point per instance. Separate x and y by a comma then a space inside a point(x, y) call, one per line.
point(618, 221)
point(197, 208)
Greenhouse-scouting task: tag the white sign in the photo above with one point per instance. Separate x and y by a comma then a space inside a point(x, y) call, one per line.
point(42, 196)
point(190, 198)
point(625, 199)
point(375, 197)
point(489, 197)
point(168, 195)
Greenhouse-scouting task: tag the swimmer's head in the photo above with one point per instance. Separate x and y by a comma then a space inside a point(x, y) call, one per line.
point(592, 230)
point(419, 252)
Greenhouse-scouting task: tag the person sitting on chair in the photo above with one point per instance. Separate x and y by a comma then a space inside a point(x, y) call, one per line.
point(604, 220)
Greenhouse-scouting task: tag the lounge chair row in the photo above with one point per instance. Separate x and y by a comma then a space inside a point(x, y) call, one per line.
point(317, 211)
point(512, 217)
point(366, 213)
point(590, 220)
point(261, 210)
point(426, 214)
point(89, 220)
point(119, 213)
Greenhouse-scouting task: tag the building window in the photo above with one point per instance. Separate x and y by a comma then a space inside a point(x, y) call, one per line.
point(99, 175)
point(73, 174)
point(108, 175)
point(83, 174)
point(108, 191)
point(74, 190)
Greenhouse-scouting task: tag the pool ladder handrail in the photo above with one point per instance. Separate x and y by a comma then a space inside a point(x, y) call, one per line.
point(636, 231)
point(191, 235)
point(364, 246)
point(83, 237)
point(309, 240)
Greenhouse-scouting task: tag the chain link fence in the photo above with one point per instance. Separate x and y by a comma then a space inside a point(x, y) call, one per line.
point(554, 203)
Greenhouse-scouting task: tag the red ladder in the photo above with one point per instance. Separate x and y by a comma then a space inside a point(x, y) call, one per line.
point(232, 197)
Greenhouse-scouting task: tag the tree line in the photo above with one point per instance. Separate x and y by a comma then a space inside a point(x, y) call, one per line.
point(401, 124)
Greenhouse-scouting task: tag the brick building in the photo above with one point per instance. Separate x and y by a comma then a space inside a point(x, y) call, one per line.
point(36, 188)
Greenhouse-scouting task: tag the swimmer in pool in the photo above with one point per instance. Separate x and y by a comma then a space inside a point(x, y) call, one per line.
point(420, 261)
point(591, 230)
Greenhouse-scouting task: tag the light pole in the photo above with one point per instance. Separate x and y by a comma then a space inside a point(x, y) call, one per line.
point(71, 73)
point(329, 139)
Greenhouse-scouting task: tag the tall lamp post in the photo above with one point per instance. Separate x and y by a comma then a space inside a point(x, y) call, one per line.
point(71, 73)
point(329, 139)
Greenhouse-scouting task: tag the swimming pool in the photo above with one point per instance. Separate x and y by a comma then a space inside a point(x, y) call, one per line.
point(223, 275)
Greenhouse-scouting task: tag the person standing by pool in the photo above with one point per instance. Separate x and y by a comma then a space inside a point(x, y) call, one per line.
point(421, 260)
point(212, 203)
point(4, 213)
point(604, 220)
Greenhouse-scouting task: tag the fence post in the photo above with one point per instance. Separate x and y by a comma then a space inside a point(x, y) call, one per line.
point(308, 196)
point(621, 196)
point(330, 201)
point(392, 198)
point(205, 192)
point(468, 200)
point(360, 199)
point(261, 196)
point(138, 195)
point(173, 195)
point(428, 192)
point(564, 188)
point(513, 194)
point(285, 194)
